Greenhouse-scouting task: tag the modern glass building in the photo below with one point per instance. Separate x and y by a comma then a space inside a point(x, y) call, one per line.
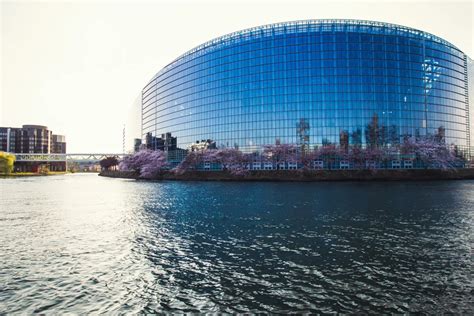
point(311, 83)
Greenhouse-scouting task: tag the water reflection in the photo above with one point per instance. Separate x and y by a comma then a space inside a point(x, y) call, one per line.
point(86, 244)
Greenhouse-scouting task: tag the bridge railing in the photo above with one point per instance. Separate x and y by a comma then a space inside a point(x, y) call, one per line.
point(39, 157)
point(34, 157)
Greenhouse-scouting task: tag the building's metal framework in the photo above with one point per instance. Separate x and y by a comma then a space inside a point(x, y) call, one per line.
point(298, 26)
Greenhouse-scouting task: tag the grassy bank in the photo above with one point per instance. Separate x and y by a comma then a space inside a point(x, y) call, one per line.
point(31, 174)
point(309, 175)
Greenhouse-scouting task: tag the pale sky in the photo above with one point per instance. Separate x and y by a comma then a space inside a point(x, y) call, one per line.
point(78, 66)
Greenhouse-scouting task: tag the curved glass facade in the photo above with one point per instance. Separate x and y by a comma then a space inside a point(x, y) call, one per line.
point(310, 82)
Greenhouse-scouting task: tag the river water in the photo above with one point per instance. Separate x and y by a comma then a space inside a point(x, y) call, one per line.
point(87, 244)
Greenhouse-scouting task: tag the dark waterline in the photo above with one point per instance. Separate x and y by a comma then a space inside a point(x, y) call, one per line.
point(83, 243)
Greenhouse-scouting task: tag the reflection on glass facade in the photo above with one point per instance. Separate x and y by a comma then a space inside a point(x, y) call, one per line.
point(312, 83)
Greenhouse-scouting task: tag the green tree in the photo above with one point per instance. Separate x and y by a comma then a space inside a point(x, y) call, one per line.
point(6, 162)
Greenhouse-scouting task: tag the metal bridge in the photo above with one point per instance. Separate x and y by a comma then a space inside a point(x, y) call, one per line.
point(87, 157)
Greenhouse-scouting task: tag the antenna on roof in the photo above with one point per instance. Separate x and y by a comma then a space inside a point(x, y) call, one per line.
point(123, 139)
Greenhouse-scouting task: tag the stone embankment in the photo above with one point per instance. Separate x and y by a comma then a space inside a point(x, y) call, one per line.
point(119, 174)
point(308, 175)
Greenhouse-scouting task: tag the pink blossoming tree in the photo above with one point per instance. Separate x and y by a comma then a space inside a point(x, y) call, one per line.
point(281, 153)
point(230, 159)
point(147, 163)
point(431, 152)
point(190, 162)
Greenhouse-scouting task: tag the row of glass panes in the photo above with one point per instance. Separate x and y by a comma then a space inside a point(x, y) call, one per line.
point(238, 77)
point(221, 52)
point(309, 83)
point(237, 107)
point(187, 55)
point(220, 136)
point(322, 114)
point(348, 107)
point(229, 116)
point(406, 120)
point(268, 80)
point(321, 122)
point(246, 139)
point(336, 133)
point(324, 133)
point(356, 87)
point(179, 67)
point(325, 114)
point(329, 98)
point(186, 71)
point(206, 67)
point(310, 94)
point(409, 120)
point(329, 67)
point(272, 31)
point(356, 132)
point(353, 51)
point(292, 130)
point(318, 92)
point(307, 100)
point(307, 64)
point(276, 55)
point(285, 107)
point(226, 123)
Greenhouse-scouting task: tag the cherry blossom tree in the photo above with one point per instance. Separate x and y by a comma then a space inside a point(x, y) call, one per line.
point(147, 163)
point(190, 162)
point(306, 158)
point(109, 162)
point(281, 153)
point(231, 159)
point(329, 153)
point(432, 152)
point(358, 156)
point(374, 156)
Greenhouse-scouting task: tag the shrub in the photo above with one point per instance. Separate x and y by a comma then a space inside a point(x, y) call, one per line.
point(6, 162)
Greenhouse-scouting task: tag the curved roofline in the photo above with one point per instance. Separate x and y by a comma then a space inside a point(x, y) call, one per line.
point(222, 38)
point(34, 126)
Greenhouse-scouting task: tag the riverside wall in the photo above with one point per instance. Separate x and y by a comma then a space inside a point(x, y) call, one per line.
point(308, 175)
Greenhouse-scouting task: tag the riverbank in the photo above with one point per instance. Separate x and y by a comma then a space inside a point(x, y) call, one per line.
point(30, 174)
point(308, 175)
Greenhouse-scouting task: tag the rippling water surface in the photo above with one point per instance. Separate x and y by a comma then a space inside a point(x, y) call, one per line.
point(82, 243)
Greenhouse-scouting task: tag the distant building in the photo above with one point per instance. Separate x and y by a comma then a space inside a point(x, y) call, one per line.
point(27, 139)
point(203, 145)
point(33, 139)
point(137, 143)
point(58, 144)
point(166, 142)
